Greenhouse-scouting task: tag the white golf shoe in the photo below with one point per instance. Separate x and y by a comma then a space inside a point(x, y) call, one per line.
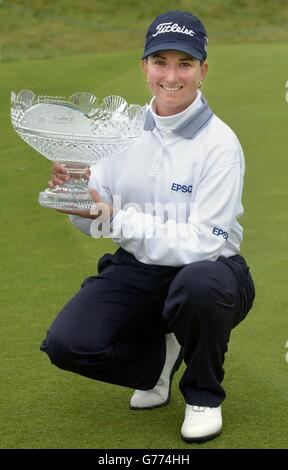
point(160, 394)
point(201, 423)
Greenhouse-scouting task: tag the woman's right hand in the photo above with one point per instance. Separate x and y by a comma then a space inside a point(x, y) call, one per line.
point(59, 175)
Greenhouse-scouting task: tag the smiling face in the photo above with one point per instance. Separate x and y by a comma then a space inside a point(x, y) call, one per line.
point(173, 78)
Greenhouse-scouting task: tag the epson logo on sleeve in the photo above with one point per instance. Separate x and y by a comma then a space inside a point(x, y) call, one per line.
point(220, 233)
point(181, 187)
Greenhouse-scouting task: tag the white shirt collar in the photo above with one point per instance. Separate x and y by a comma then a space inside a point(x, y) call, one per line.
point(169, 123)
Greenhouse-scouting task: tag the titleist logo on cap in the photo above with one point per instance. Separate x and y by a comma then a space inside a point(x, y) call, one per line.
point(175, 28)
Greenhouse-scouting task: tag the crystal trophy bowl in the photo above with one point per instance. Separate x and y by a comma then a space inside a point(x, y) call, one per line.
point(77, 132)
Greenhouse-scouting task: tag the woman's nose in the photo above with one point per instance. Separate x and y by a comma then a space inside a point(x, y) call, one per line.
point(171, 74)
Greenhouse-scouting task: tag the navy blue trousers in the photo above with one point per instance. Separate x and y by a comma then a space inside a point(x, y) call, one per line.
point(113, 329)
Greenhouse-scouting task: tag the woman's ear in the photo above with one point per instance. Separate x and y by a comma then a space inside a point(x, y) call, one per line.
point(144, 64)
point(204, 70)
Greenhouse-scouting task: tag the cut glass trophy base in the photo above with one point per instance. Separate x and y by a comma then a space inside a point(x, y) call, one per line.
point(72, 194)
point(57, 199)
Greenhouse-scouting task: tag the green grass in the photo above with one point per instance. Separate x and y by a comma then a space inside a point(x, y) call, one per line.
point(44, 260)
point(51, 28)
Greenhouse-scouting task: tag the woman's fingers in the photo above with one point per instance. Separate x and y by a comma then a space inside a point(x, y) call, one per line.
point(100, 208)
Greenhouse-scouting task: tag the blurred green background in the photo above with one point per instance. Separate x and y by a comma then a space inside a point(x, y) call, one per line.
point(53, 28)
point(57, 48)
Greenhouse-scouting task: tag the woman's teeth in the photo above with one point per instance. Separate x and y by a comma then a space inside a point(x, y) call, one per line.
point(171, 89)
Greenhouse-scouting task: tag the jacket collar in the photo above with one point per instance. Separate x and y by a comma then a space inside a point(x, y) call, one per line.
point(189, 128)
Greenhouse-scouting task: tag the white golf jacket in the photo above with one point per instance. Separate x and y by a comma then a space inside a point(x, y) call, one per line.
point(177, 193)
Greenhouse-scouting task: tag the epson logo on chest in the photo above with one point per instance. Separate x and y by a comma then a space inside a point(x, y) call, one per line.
point(183, 188)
